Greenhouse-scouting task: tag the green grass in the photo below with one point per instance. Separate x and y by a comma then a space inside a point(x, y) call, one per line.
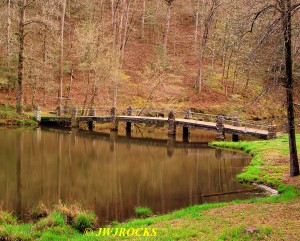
point(143, 212)
point(8, 116)
point(237, 233)
point(259, 170)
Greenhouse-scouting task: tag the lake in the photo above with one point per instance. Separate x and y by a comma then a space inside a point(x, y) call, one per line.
point(112, 174)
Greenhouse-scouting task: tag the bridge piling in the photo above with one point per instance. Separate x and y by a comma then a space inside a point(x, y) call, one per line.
point(59, 110)
point(128, 124)
point(236, 122)
point(186, 130)
point(114, 120)
point(171, 124)
point(271, 132)
point(74, 114)
point(91, 124)
point(37, 114)
point(220, 128)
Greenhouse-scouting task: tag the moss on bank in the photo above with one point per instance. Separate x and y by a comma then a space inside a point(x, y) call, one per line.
point(9, 117)
point(274, 217)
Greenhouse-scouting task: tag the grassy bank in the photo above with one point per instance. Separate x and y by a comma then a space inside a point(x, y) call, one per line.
point(9, 117)
point(274, 218)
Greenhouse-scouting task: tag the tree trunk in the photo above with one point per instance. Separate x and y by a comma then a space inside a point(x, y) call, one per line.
point(19, 106)
point(61, 54)
point(86, 95)
point(8, 30)
point(125, 31)
point(143, 19)
point(196, 27)
point(167, 27)
point(287, 31)
point(113, 24)
point(207, 22)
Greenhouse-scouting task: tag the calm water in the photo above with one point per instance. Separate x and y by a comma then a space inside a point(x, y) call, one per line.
point(112, 174)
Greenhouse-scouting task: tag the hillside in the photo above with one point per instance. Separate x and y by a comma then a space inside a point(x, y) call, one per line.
point(238, 79)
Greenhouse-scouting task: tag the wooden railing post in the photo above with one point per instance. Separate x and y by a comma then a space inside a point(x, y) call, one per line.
point(37, 114)
point(171, 124)
point(128, 124)
point(220, 128)
point(186, 131)
point(74, 114)
point(114, 121)
point(272, 131)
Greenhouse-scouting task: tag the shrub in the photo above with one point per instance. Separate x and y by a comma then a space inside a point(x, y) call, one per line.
point(70, 212)
point(39, 211)
point(7, 218)
point(83, 221)
point(143, 212)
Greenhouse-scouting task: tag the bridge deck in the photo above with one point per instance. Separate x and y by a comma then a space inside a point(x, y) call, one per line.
point(231, 129)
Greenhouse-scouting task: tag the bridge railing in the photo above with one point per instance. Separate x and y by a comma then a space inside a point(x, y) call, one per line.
point(163, 113)
point(200, 116)
point(247, 125)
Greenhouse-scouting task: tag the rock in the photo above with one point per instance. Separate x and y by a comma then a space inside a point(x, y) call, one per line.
point(251, 230)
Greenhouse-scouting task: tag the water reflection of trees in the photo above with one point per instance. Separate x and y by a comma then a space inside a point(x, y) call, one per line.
point(109, 173)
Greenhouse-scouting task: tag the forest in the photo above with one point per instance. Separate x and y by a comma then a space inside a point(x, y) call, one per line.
point(213, 56)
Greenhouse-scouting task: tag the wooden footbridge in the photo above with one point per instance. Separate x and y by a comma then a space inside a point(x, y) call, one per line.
point(189, 120)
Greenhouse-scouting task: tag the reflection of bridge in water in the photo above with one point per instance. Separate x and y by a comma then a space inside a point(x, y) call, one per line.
point(112, 174)
point(170, 144)
point(220, 124)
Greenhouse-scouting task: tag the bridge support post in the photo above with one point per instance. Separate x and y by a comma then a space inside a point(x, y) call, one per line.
point(74, 114)
point(236, 122)
point(114, 121)
point(91, 124)
point(220, 128)
point(186, 130)
point(271, 132)
point(171, 124)
point(92, 111)
point(128, 124)
point(37, 114)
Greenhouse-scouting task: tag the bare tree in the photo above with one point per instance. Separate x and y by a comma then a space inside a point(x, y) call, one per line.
point(61, 54)
point(22, 8)
point(206, 24)
point(143, 19)
point(286, 11)
point(167, 26)
point(8, 29)
point(286, 19)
